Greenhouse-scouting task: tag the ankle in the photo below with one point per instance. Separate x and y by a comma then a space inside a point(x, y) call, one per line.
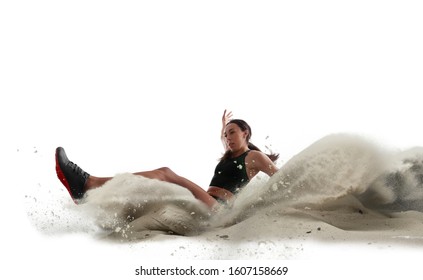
point(94, 182)
point(90, 183)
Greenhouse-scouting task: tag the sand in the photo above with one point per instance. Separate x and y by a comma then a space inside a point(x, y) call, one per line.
point(337, 192)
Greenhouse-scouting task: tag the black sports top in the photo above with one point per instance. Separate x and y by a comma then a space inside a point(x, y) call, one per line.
point(231, 174)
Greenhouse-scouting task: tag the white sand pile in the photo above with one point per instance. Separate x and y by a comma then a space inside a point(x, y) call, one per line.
point(339, 189)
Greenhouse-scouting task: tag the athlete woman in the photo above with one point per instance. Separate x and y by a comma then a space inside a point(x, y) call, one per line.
point(240, 163)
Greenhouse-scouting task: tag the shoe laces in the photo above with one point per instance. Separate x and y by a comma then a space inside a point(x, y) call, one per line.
point(78, 170)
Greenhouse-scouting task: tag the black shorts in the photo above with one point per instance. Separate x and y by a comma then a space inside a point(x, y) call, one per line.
point(219, 200)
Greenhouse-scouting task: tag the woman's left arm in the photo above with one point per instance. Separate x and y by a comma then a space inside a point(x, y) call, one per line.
point(261, 162)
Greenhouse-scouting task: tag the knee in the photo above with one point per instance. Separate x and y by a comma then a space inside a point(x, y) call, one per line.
point(165, 173)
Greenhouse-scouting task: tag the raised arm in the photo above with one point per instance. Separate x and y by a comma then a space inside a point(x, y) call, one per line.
point(225, 119)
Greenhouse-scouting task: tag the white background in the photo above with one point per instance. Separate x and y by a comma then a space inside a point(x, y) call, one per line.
point(135, 85)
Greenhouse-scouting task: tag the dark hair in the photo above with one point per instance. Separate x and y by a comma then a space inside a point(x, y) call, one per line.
point(243, 125)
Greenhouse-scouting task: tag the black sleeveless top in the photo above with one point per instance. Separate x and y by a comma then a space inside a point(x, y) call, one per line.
point(231, 174)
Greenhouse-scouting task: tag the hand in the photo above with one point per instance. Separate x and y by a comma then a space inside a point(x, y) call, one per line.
point(226, 118)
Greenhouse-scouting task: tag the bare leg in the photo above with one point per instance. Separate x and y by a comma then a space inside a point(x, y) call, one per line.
point(164, 174)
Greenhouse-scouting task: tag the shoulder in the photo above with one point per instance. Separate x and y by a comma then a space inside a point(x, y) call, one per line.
point(257, 157)
point(256, 154)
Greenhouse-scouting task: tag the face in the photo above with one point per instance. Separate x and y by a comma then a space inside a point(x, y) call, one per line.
point(235, 137)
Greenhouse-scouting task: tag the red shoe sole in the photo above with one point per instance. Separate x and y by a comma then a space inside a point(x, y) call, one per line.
point(62, 178)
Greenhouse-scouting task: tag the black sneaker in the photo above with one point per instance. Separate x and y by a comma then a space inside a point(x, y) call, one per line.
point(70, 174)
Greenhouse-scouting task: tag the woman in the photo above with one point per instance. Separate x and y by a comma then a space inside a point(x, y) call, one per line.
point(240, 163)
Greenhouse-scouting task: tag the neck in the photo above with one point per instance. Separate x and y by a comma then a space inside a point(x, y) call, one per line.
point(239, 152)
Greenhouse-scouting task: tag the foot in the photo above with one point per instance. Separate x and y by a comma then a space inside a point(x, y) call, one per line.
point(71, 175)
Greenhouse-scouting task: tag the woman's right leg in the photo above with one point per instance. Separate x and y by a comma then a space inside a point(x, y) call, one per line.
point(94, 182)
point(163, 174)
point(77, 181)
